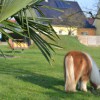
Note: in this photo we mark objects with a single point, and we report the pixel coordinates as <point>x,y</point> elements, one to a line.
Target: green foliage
<point>24,11</point>
<point>11,7</point>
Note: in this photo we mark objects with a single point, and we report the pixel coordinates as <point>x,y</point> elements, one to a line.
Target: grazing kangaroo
<point>79,68</point>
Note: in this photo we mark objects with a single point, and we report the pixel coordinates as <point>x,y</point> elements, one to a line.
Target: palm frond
<point>11,7</point>
<point>24,11</point>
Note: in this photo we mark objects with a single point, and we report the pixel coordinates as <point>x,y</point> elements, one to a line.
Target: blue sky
<point>88,5</point>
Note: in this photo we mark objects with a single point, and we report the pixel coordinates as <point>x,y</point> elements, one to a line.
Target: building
<point>88,29</point>
<point>68,19</point>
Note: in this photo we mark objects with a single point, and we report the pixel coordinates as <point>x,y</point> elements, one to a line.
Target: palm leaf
<point>7,35</point>
<point>11,7</point>
<point>30,25</point>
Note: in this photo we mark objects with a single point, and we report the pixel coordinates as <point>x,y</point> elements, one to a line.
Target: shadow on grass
<point>34,78</point>
<point>6,56</point>
<point>48,82</point>
<point>42,80</point>
<point>13,51</point>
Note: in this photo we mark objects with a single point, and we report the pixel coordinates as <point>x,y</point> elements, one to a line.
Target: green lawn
<point>28,76</point>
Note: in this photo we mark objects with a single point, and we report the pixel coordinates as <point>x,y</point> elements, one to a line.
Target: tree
<point>30,25</point>
<point>71,19</point>
<point>93,11</point>
<point>74,20</point>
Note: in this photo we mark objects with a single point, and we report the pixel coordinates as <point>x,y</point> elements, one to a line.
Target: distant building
<point>68,19</point>
<point>88,29</point>
<point>90,20</point>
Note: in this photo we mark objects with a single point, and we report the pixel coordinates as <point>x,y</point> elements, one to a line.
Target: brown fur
<point>82,67</point>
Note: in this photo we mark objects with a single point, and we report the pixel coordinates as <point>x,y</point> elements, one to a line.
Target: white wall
<point>61,30</point>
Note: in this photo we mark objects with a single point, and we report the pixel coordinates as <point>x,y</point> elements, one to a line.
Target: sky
<point>88,5</point>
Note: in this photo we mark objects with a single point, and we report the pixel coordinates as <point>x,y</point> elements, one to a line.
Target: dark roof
<point>68,7</point>
<point>90,20</point>
<point>88,25</point>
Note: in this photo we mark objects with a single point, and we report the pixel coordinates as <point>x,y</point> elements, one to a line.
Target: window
<point>62,4</point>
<point>84,33</point>
<point>60,31</point>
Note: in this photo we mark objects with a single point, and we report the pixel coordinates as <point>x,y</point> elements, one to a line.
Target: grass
<point>28,76</point>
